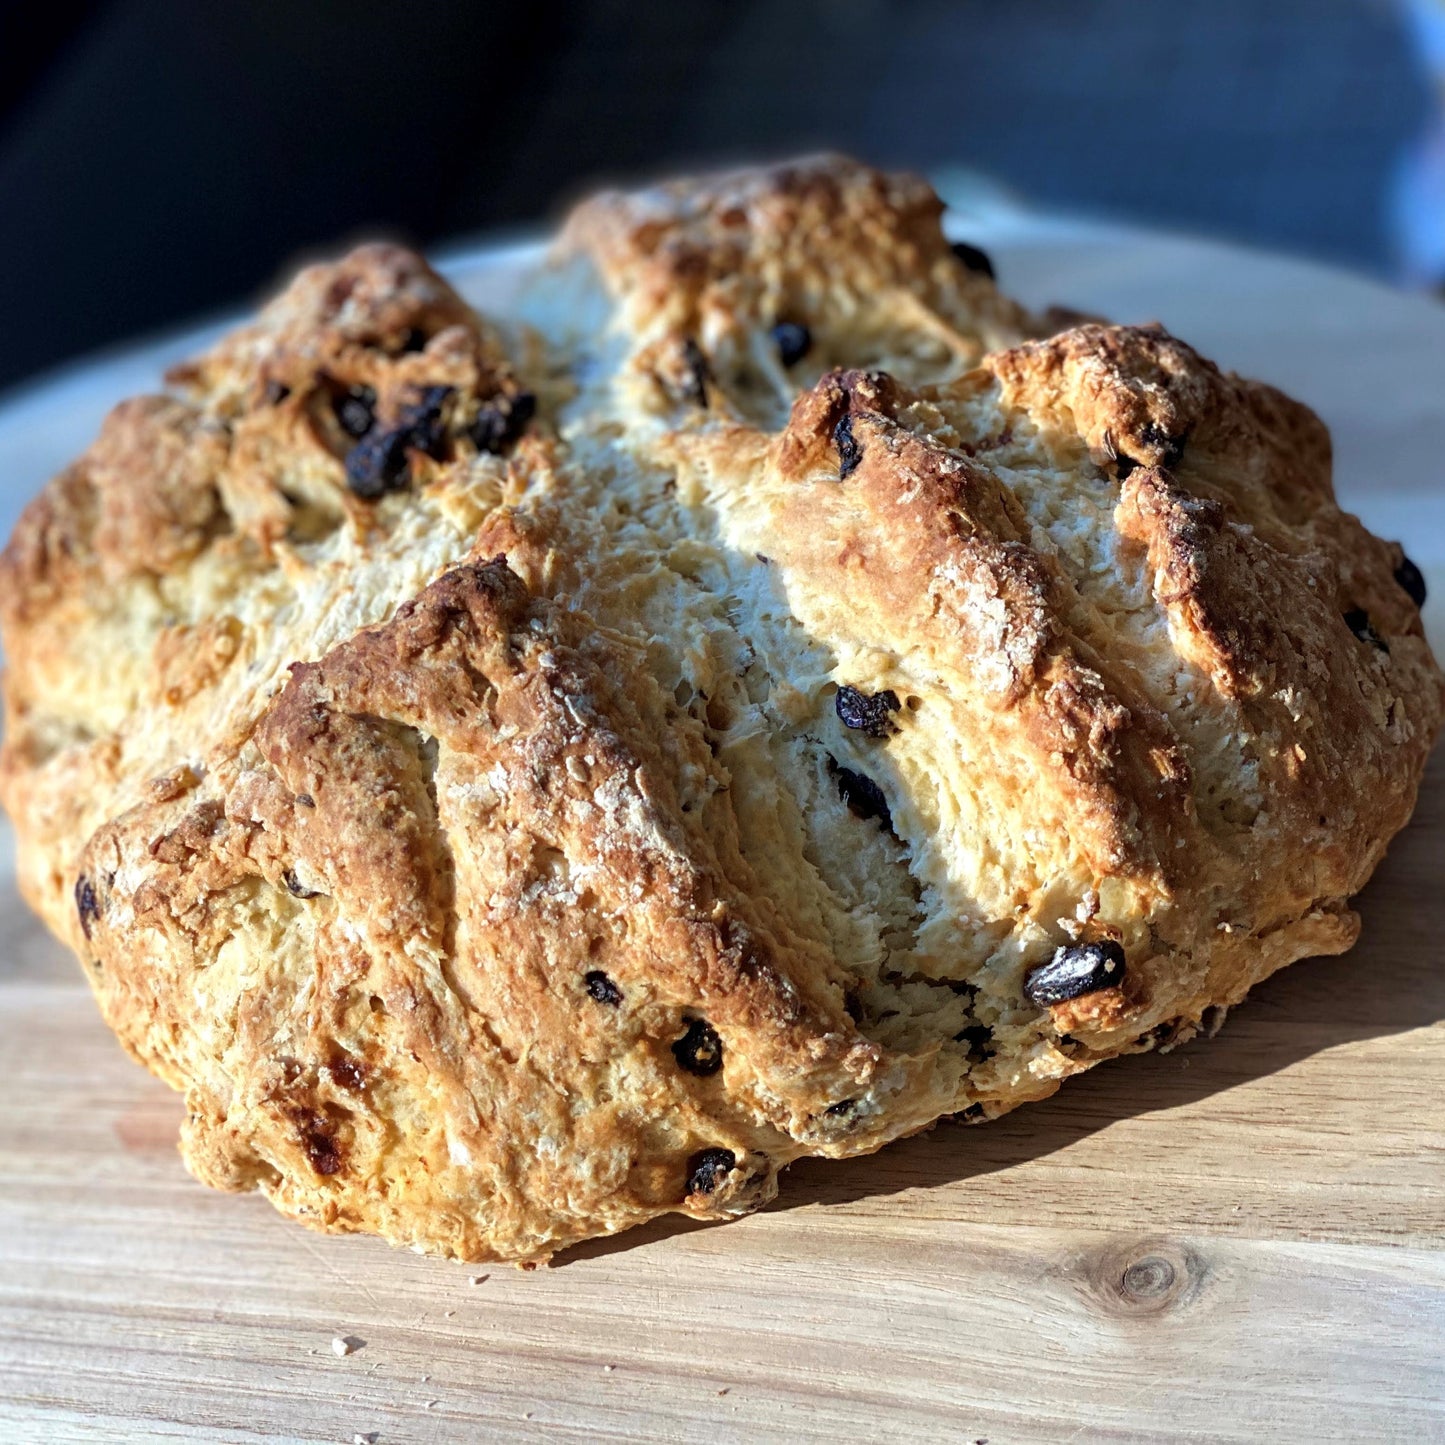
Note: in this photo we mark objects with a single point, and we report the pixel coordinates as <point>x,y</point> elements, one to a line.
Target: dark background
<point>164,157</point>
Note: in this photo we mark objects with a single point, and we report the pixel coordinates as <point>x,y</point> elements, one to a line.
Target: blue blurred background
<point>160,158</point>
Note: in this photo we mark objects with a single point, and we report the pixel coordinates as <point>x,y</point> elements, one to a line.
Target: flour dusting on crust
<point>522,775</point>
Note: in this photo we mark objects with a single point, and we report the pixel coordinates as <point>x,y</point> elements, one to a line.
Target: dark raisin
<point>424,421</point>
<point>973,259</point>
<point>1075,970</point>
<point>356,411</point>
<point>524,408</point>
<point>306,800</point>
<point>377,464</point>
<point>492,431</point>
<point>707,1169</point>
<point>500,421</point>
<point>275,393</point>
<point>1409,576</point>
<point>699,373</point>
<point>603,989</point>
<point>1358,621</point>
<point>864,713</point>
<point>699,1050</point>
<point>843,1106</point>
<point>862,795</point>
<point>87,905</point>
<point>793,340</point>
<point>488,430</point>
<point>296,887</point>
<point>849,452</point>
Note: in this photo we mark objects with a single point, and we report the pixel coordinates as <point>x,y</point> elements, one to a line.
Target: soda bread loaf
<point>763,694</point>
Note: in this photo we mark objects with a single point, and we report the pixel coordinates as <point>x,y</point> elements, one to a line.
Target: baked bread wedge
<point>763,694</point>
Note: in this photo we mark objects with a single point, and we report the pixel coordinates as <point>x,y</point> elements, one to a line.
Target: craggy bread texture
<point>521,777</point>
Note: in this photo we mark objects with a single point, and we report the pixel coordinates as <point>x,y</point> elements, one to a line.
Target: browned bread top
<point>758,696</point>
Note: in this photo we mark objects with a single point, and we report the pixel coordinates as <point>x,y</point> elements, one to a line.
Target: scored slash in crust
<point>765,694</point>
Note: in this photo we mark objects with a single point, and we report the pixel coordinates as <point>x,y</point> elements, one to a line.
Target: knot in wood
<point>1144,1276</point>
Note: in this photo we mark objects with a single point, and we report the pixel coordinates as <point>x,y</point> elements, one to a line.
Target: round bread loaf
<point>766,693</point>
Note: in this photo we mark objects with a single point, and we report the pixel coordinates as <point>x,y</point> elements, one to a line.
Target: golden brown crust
<point>701,271</point>
<point>455,821</point>
<point>516,829</point>
<point>769,242</point>
<point>936,555</point>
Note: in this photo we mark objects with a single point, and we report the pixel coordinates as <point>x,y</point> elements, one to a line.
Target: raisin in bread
<point>763,694</point>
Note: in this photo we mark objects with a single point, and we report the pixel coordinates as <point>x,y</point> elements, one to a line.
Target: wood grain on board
<point>1244,1239</point>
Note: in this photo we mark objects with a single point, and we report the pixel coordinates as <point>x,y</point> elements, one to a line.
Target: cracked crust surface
<point>522,776</point>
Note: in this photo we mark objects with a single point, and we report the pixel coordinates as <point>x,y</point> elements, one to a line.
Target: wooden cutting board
<point>1242,1240</point>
